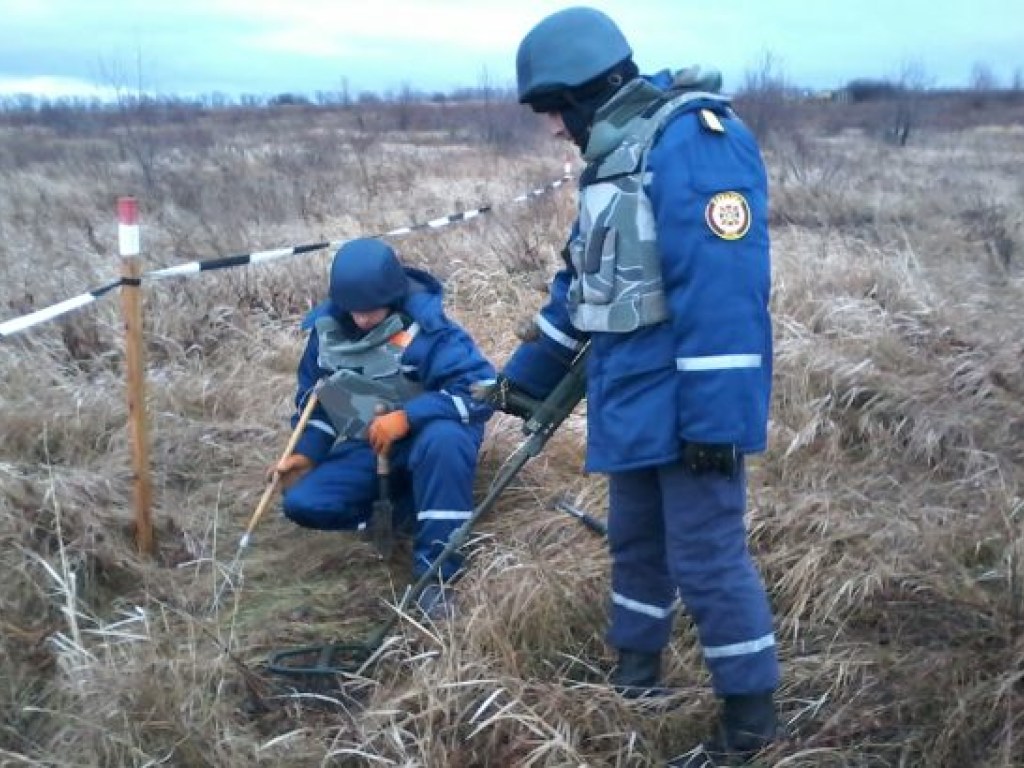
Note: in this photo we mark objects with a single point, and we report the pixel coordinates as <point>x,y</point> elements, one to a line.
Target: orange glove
<point>386,429</point>
<point>290,469</point>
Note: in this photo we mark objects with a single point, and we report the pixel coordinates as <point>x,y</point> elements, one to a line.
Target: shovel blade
<point>382,534</point>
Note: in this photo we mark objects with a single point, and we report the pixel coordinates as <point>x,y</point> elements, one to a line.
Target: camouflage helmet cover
<point>566,50</point>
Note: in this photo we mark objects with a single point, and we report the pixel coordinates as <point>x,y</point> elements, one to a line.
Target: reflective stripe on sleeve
<point>460,406</point>
<point>549,330</point>
<point>717,362</point>
<point>323,426</point>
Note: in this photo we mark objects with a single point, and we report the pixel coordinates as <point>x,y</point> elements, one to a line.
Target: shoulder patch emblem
<point>728,215</point>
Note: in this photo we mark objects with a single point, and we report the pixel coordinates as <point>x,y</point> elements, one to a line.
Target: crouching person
<point>382,339</point>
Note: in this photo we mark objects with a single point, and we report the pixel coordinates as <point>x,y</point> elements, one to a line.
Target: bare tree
<point>912,83</point>
<point>487,95</point>
<point>761,100</point>
<point>135,139</point>
<point>983,79</point>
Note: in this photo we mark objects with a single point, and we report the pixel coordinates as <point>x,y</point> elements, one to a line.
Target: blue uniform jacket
<point>442,357</point>
<point>653,389</point>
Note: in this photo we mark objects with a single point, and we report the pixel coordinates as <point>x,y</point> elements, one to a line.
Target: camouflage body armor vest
<point>366,373</point>
<point>618,284</point>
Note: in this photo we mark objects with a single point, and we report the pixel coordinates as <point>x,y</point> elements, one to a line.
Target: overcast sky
<point>273,46</point>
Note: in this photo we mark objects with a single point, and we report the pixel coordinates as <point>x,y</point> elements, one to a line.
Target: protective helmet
<point>567,49</point>
<point>366,275</point>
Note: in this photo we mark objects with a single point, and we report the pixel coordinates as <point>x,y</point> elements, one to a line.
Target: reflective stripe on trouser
<point>439,461</point>
<point>443,464</point>
<point>671,530</point>
<point>643,594</point>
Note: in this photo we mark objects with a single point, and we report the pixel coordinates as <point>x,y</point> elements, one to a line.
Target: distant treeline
<point>169,103</point>
<point>766,101</point>
<point>488,115</point>
<point>858,90</point>
<point>881,90</point>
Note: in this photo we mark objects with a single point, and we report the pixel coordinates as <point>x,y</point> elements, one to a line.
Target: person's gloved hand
<point>386,429</point>
<point>704,458</point>
<point>290,469</point>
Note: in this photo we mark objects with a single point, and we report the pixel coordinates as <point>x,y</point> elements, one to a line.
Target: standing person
<point>667,272</point>
<point>382,337</point>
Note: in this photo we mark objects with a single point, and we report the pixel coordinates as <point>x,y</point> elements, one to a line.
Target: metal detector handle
<point>540,414</point>
<point>550,412</point>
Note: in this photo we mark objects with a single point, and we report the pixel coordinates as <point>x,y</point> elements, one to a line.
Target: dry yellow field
<point>887,514</point>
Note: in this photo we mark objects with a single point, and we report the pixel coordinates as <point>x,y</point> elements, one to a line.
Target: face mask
<point>581,104</point>
<point>577,122</point>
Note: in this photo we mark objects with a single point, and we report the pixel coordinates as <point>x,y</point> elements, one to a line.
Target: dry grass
<point>886,515</point>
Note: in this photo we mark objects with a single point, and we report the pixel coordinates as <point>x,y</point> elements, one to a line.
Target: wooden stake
<point>131,304</point>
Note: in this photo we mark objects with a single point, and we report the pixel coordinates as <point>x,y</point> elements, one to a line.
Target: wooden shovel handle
<point>289,448</point>
<point>383,464</point>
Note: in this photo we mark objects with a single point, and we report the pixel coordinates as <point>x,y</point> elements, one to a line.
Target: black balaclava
<point>578,105</point>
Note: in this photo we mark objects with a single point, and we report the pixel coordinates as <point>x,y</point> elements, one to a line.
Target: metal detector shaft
<point>455,541</point>
<point>546,418</point>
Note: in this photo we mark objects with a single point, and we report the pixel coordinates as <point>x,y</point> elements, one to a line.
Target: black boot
<point>746,726</point>
<point>637,675</point>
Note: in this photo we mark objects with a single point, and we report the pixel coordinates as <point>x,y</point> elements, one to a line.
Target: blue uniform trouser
<point>437,461</point>
<point>675,533</point>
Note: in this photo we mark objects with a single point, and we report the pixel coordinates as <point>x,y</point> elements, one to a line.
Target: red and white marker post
<point>131,303</point>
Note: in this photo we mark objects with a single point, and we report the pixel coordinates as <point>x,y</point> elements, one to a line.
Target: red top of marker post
<point>127,210</point>
<point>128,226</point>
